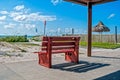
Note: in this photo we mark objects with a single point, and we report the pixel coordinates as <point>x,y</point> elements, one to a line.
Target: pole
<point>89,29</point>
<point>116,34</point>
<point>44,27</point>
<point>44,30</point>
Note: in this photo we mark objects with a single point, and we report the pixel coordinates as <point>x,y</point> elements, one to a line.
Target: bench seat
<point>56,51</point>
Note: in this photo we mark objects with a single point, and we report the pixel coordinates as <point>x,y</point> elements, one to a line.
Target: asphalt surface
<point>103,65</point>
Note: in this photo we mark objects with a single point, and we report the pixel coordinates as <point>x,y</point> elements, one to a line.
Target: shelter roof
<point>100,27</point>
<point>93,2</point>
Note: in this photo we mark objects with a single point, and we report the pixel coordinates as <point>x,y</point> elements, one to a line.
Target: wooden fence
<point>96,38</point>
<point>101,38</point>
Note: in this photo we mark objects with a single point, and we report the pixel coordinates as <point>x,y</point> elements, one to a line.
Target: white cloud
<point>3,12</point>
<point>111,16</point>
<point>33,16</point>
<point>2,18</point>
<point>26,10</point>
<point>23,15</point>
<point>19,7</point>
<point>14,14</point>
<point>38,17</point>
<point>20,16</point>
<point>29,26</point>
<point>47,18</point>
<point>55,2</point>
<point>17,16</point>
<point>10,25</point>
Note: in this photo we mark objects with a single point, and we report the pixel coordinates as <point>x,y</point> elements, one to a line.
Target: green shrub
<point>14,39</point>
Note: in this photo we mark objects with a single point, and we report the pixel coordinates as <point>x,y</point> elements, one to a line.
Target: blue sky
<point>20,17</point>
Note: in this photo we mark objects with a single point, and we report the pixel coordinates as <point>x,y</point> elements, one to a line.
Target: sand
<point>14,53</point>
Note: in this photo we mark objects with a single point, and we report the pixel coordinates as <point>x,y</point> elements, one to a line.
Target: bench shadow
<point>105,57</point>
<point>111,76</point>
<point>83,66</point>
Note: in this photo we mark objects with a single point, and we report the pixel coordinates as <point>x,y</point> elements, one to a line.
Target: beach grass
<point>25,43</point>
<point>14,39</point>
<point>102,45</point>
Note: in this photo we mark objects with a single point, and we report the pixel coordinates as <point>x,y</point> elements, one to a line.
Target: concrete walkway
<point>103,65</point>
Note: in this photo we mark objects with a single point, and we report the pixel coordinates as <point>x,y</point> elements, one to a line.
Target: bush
<point>14,39</point>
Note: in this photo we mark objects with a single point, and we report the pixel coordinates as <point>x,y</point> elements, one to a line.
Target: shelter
<point>100,27</point>
<point>89,3</point>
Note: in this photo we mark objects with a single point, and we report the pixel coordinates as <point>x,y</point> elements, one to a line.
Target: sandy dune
<point>17,52</point>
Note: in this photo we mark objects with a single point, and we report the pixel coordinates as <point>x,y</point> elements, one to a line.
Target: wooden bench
<point>55,45</point>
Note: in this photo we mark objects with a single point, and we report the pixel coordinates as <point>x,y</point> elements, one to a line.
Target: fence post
<point>116,34</point>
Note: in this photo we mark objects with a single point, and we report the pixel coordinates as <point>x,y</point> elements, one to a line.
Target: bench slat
<point>59,47</point>
<point>63,38</point>
<point>57,51</point>
<point>62,43</point>
<point>60,38</point>
<point>62,50</point>
<point>58,43</point>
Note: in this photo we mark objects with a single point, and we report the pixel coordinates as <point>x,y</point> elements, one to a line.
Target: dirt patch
<point>16,52</point>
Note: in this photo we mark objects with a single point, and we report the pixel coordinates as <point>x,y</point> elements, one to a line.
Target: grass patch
<point>24,43</point>
<point>14,39</point>
<point>36,38</point>
<point>102,45</point>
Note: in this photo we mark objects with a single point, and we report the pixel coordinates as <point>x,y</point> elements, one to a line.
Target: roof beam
<point>102,1</point>
<point>93,2</point>
<point>77,2</point>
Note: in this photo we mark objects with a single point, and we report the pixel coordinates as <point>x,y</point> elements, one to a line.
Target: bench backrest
<point>59,43</point>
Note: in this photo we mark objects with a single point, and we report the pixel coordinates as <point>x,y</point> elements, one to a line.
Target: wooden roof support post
<point>89,3</point>
<point>89,28</point>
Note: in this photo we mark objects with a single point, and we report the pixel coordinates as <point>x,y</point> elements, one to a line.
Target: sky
<point>27,17</point>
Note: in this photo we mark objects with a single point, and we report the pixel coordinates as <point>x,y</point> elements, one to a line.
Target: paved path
<point>103,65</point>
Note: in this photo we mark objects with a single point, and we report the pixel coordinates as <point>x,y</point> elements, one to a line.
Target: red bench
<point>55,45</point>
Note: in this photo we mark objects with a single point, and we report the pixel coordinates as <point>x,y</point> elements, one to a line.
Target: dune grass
<point>25,43</point>
<point>14,39</point>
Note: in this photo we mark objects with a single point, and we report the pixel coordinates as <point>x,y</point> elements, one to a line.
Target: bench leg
<point>71,57</point>
<point>45,60</point>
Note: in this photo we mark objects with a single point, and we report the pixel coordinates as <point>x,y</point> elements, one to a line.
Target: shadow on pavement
<point>83,66</point>
<point>111,76</point>
<point>105,57</point>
